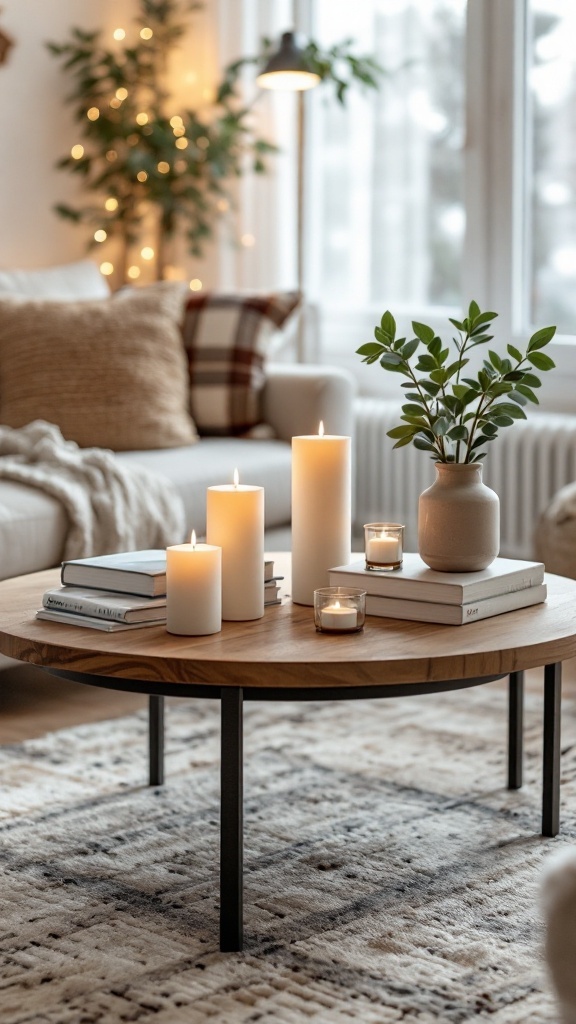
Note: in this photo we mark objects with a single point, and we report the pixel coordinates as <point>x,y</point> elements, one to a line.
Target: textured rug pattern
<point>389,874</point>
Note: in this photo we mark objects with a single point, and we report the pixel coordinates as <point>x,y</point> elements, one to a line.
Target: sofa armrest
<point>297,397</point>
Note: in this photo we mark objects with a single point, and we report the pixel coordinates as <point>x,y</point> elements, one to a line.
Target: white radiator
<point>526,465</point>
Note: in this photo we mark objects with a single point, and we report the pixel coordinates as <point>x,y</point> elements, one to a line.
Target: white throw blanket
<point>110,506</point>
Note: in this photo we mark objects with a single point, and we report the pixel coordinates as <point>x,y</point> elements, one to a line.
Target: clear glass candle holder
<point>339,609</point>
<point>383,546</point>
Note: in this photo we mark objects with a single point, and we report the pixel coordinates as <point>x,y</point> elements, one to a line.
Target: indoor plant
<point>456,418</point>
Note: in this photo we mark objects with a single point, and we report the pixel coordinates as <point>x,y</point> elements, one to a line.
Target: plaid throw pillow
<point>225,337</point>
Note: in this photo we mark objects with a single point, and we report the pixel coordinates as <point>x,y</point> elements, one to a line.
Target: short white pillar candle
<point>333,616</point>
<point>235,522</point>
<point>193,589</point>
<point>321,510</point>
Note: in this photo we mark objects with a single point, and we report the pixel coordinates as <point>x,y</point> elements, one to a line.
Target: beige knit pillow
<point>111,373</point>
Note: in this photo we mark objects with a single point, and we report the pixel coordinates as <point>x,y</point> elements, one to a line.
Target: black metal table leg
<point>156,740</point>
<point>515,729</point>
<point>551,755</point>
<point>231,821</point>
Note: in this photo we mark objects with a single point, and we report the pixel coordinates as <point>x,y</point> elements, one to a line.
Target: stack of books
<point>120,591</point>
<point>454,598</point>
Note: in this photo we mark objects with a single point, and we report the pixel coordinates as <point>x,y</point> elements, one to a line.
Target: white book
<point>416,582</point>
<point>103,604</point>
<point>91,622</point>
<point>454,614</point>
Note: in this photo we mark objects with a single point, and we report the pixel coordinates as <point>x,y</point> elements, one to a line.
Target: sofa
<point>266,404</point>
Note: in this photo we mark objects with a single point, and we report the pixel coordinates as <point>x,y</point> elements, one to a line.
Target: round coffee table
<point>281,657</point>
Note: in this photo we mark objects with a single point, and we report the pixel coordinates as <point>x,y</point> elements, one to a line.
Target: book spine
<point>82,606</point>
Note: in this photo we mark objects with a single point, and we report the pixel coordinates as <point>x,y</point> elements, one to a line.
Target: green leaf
<point>515,353</point>
<point>541,338</point>
<point>426,363</point>
<point>371,348</point>
<point>495,360</point>
<point>408,350</point>
<point>388,324</point>
<point>412,410</point>
<point>540,360</point>
<point>423,332</point>
<point>454,367</point>
<point>458,433</point>
<point>528,393</point>
<point>381,337</point>
<point>441,426</point>
<point>473,310</point>
<point>438,376</point>
<point>460,390</point>
<point>403,441</point>
<point>532,380</point>
<point>423,445</point>
<point>484,318</point>
<point>518,397</point>
<point>503,421</point>
<point>514,375</point>
<point>429,387</point>
<point>390,359</point>
<point>402,431</point>
<point>457,324</point>
<point>435,347</point>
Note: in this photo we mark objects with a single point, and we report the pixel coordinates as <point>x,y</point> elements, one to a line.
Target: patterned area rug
<point>389,874</point>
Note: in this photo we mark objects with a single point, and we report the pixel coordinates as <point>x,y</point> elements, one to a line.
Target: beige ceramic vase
<point>458,520</point>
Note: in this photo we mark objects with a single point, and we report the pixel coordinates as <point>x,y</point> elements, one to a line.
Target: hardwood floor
<point>32,702</point>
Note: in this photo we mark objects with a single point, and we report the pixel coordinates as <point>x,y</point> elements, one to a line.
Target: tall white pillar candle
<point>321,511</point>
<point>193,589</point>
<point>235,522</point>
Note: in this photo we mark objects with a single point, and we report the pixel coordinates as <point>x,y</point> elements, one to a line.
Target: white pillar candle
<point>235,522</point>
<point>333,616</point>
<point>383,550</point>
<point>321,510</point>
<point>193,589</point>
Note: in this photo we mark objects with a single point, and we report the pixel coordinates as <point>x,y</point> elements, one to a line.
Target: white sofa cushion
<point>71,281</point>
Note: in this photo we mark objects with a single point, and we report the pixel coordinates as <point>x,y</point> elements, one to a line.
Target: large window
<point>456,181</point>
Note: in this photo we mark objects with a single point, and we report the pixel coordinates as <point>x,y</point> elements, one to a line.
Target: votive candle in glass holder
<point>339,609</point>
<point>384,546</point>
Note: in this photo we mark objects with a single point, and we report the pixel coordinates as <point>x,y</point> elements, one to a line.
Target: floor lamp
<point>288,69</point>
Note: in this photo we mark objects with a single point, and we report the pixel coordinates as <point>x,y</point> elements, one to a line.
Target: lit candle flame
<point>321,429</point>
<point>236,478</point>
<point>336,604</point>
<point>193,538</point>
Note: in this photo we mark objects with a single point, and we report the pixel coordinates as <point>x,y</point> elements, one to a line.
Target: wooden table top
<point>282,649</point>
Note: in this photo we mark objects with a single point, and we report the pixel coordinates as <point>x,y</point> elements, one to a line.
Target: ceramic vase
<point>458,520</point>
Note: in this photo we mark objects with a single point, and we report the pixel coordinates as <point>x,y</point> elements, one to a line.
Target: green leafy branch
<point>448,415</point>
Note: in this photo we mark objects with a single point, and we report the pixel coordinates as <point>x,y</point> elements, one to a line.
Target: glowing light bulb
<point>121,93</point>
<point>142,117</point>
<point>195,284</point>
<point>111,203</point>
<point>146,33</point>
<point>119,33</point>
<point>133,272</point>
<point>321,429</point>
<point>93,114</point>
<point>107,268</point>
<point>100,235</point>
<point>236,478</point>
<point>181,143</point>
<point>163,167</point>
<point>77,152</point>
<point>176,121</point>
<point>142,176</point>
<point>147,253</point>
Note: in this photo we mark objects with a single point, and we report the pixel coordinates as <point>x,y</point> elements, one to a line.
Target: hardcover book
<point>104,604</point>
<point>91,622</point>
<point>454,614</point>
<point>129,572</point>
<point>416,582</point>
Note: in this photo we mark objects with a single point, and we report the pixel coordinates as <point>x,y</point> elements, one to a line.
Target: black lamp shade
<point>288,68</point>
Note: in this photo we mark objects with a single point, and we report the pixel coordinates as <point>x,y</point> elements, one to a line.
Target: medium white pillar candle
<point>193,589</point>
<point>321,510</point>
<point>235,522</point>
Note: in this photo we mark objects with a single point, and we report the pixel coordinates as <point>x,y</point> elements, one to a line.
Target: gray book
<point>454,614</point>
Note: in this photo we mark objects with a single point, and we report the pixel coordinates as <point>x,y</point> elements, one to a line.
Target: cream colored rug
<point>389,874</point>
